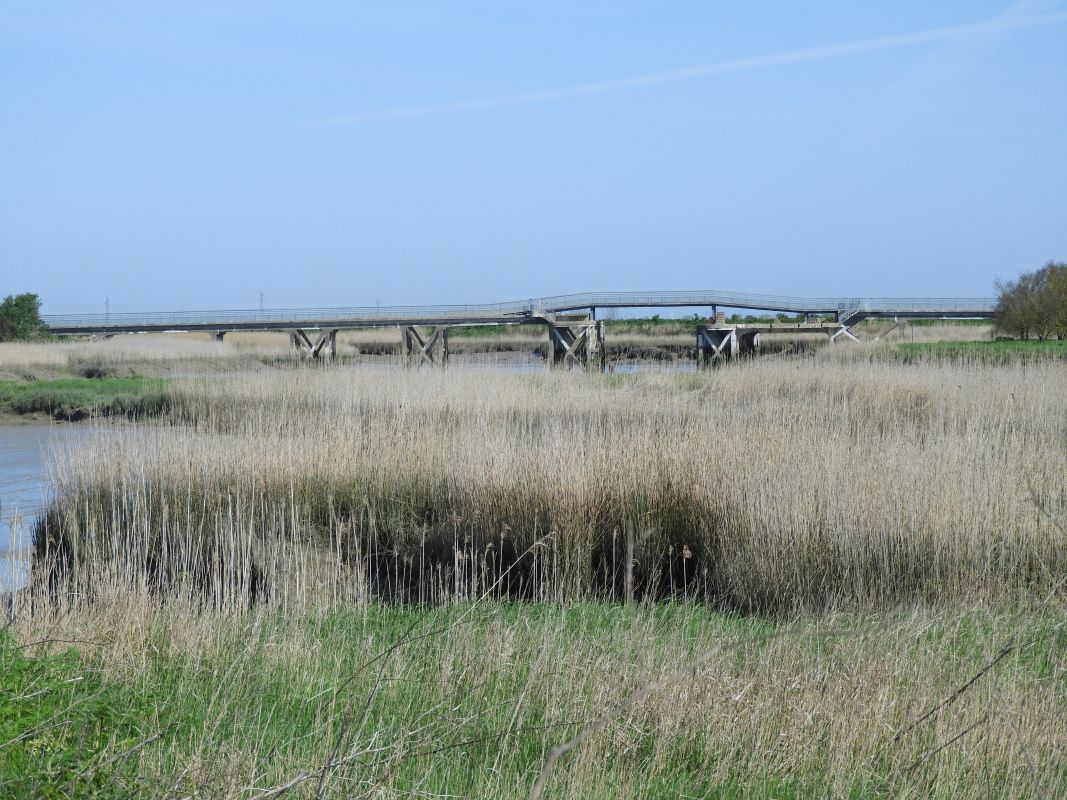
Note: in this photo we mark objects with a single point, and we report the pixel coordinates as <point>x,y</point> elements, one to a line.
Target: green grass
<point>466,700</point>
<point>59,725</point>
<point>78,398</point>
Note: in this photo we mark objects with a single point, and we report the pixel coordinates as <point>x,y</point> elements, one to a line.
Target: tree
<point>20,318</point>
<point>1035,304</point>
<point>1058,290</point>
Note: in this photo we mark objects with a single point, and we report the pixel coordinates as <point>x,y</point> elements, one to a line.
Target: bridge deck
<point>541,310</point>
<point>285,323</point>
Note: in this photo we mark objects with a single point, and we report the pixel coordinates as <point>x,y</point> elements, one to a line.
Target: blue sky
<point>188,155</point>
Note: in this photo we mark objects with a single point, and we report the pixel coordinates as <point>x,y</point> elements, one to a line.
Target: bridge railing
<point>948,304</point>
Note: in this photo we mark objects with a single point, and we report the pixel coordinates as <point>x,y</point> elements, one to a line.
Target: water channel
<point>24,491</point>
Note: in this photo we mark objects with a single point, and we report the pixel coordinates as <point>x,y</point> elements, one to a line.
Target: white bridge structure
<point>576,335</point>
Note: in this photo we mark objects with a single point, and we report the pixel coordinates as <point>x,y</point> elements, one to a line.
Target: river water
<point>24,491</point>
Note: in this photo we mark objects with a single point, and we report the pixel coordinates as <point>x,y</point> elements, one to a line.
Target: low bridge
<point>575,334</point>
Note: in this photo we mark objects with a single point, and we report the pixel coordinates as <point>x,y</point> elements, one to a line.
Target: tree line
<point>1034,305</point>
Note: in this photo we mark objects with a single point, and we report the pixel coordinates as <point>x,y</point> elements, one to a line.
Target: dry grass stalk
<point>775,485</point>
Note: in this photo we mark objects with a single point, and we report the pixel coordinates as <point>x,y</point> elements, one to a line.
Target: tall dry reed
<point>773,484</point>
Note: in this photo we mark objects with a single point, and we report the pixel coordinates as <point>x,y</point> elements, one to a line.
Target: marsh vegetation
<point>833,575</point>
<point>775,487</point>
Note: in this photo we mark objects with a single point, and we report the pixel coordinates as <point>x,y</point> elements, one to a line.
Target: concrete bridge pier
<point>327,341</point>
<point>718,345</point>
<point>748,343</point>
<point>425,348</point>
<point>577,344</point>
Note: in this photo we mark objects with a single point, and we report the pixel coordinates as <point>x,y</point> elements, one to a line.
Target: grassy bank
<point>469,700</point>
<point>80,398</point>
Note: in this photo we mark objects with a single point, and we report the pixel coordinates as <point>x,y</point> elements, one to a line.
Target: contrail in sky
<point>997,25</point>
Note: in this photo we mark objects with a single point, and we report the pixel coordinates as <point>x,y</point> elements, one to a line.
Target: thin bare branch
<point>952,698</point>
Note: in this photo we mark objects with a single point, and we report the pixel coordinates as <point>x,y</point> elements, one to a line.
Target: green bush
<point>20,318</point>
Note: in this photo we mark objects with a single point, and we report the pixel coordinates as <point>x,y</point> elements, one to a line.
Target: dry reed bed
<point>142,347</point>
<point>237,348</point>
<point>773,484</point>
<point>182,347</point>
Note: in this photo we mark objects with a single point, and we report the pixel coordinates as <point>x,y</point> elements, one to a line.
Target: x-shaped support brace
<point>711,349</point>
<point>897,324</point>
<point>843,331</point>
<point>569,346</point>
<point>314,349</point>
<point>421,349</point>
